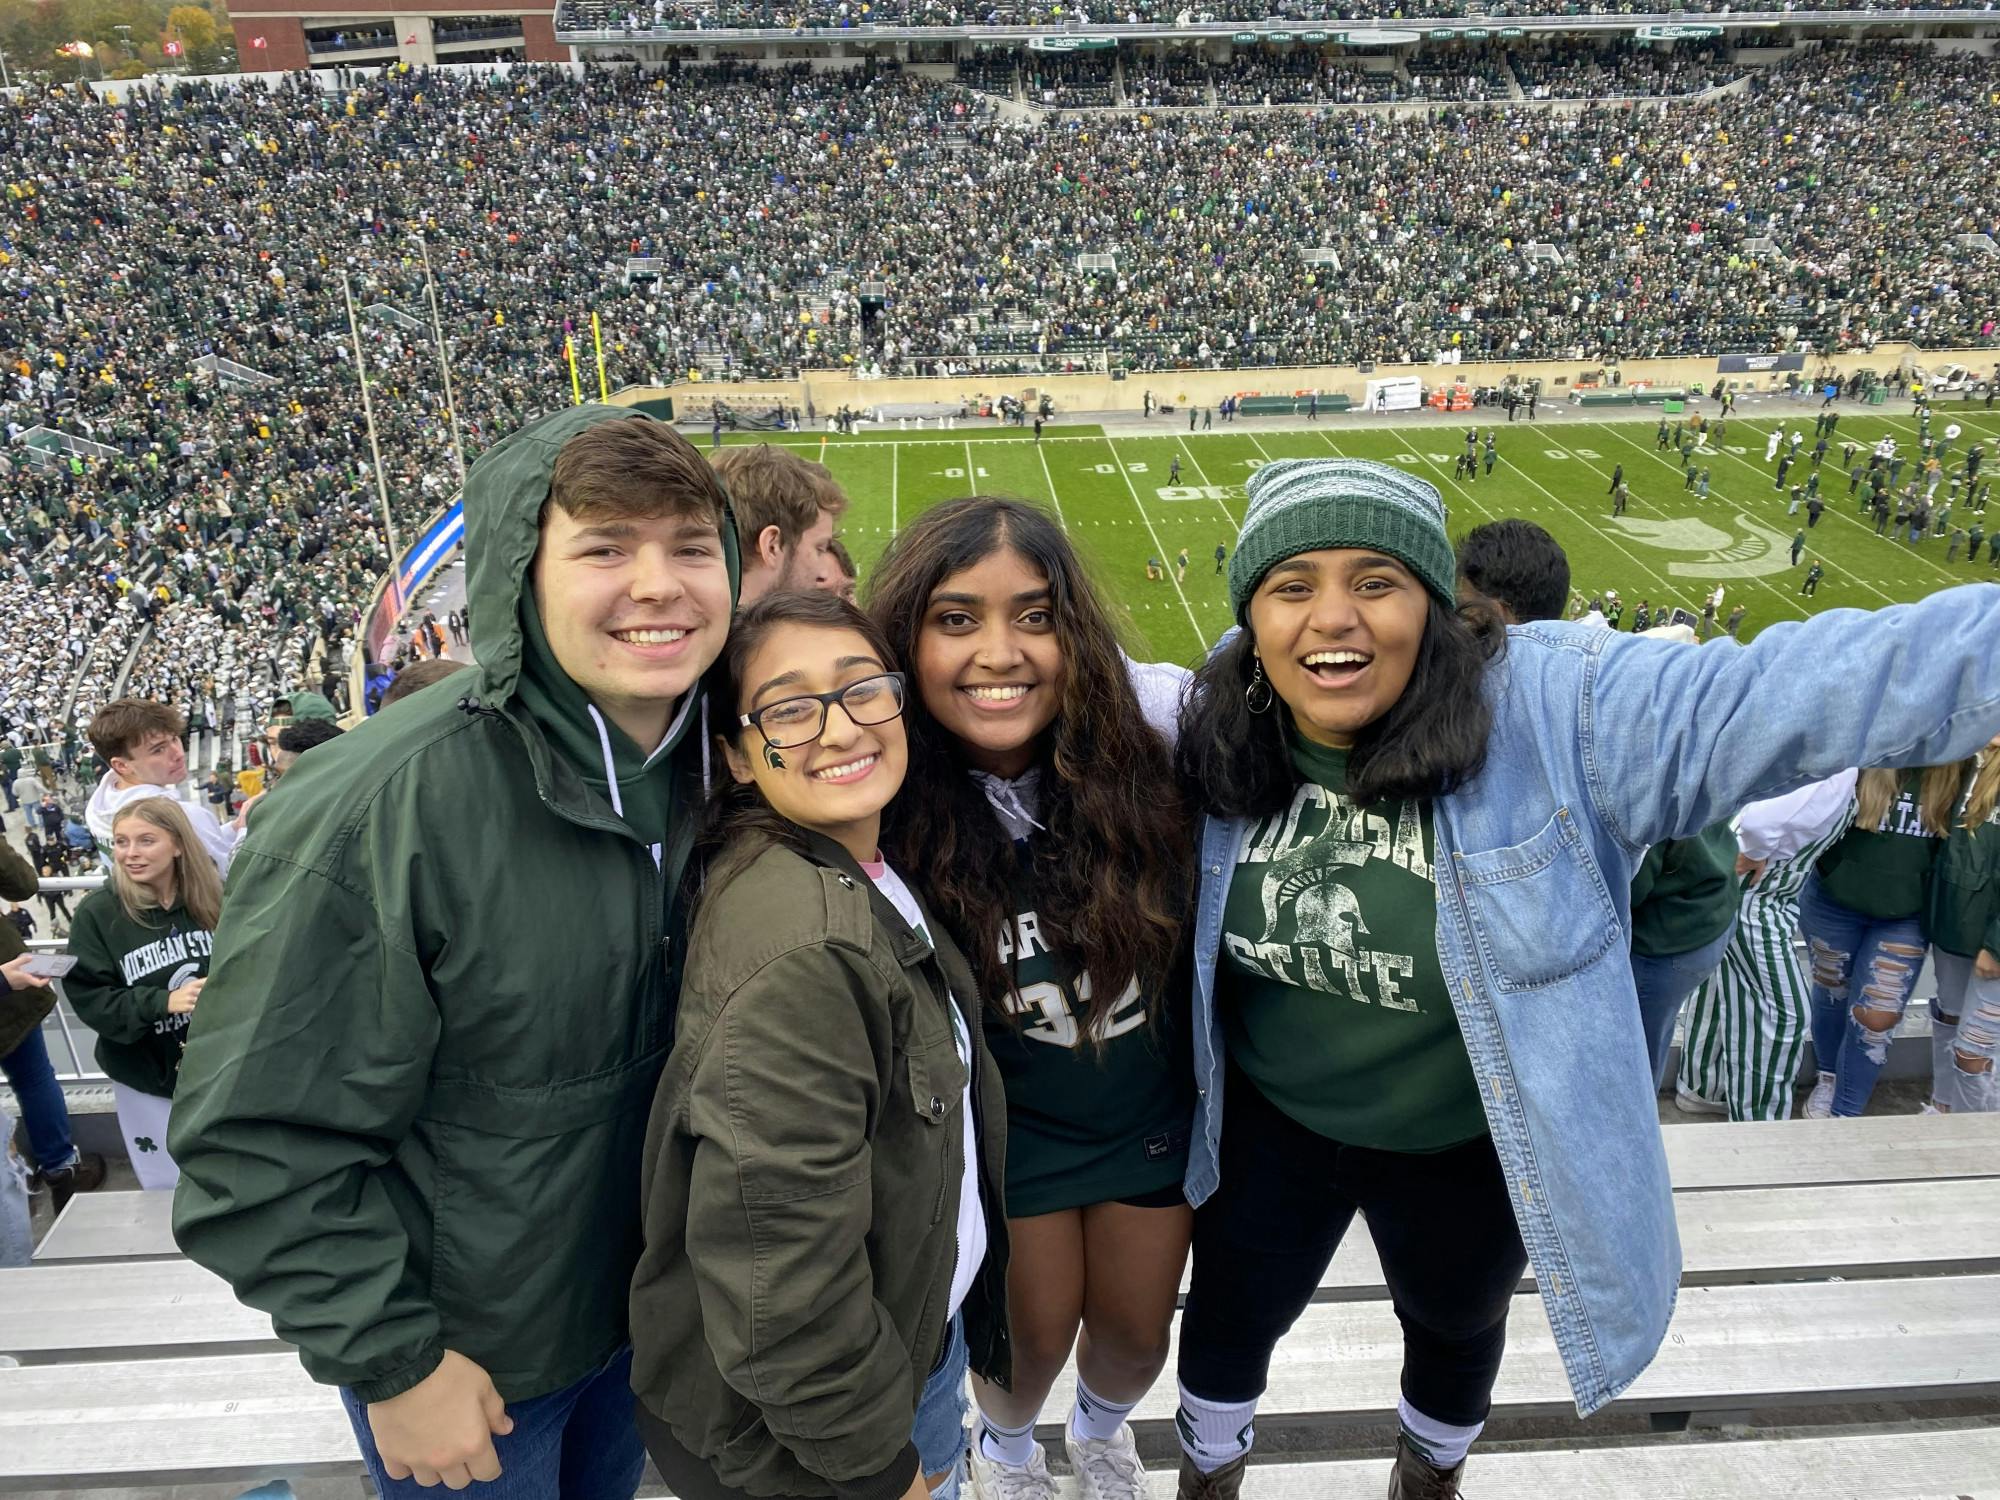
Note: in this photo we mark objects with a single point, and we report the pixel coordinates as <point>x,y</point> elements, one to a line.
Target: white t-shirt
<point>971,1215</point>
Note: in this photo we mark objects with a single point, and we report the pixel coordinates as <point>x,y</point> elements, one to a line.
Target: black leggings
<point>1443,1225</point>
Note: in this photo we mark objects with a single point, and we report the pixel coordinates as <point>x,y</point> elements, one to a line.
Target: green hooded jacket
<point>1962,900</point>
<point>309,706</point>
<point>411,1112</point>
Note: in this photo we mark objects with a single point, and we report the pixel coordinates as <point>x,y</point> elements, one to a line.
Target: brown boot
<point>84,1175</point>
<point>1415,1479</point>
<point>1224,1484</point>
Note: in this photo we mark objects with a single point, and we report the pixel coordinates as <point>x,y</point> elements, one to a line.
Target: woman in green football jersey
<point>1041,814</point>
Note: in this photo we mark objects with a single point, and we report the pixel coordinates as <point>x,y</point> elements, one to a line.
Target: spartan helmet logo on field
<point>1322,909</point>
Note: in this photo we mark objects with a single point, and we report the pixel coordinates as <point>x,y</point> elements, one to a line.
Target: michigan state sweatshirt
<point>124,972</point>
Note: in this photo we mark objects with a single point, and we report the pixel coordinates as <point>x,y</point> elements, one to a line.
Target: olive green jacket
<point>413,1101</point>
<point>21,1011</point>
<point>802,1181</point>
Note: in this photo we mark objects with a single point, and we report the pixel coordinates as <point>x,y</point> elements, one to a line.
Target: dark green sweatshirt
<point>1883,872</point>
<point>119,987</point>
<point>1962,904</point>
<point>1685,894</point>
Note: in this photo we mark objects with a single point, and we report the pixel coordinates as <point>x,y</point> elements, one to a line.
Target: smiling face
<point>145,853</point>
<point>836,784</point>
<point>989,663</point>
<point>635,610</point>
<point>1338,632</point>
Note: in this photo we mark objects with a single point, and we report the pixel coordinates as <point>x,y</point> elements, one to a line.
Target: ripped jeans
<point>1965,1028</point>
<point>1862,970</point>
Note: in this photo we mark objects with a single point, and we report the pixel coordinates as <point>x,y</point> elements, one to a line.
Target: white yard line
<point>1460,485</point>
<point>1838,511</point>
<point>1790,602</point>
<point>1188,449</point>
<point>1166,560</point>
<point>1050,479</point>
<point>1562,504</point>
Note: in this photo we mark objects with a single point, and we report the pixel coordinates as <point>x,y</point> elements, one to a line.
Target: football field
<point>1120,497</point>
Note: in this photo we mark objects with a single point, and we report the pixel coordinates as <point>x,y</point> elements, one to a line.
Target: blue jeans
<point>578,1443</point>
<point>1857,965</point>
<point>1965,1027</point>
<point>1665,985</point>
<point>42,1108</point>
<point>17,1236</point>
<point>939,1429</point>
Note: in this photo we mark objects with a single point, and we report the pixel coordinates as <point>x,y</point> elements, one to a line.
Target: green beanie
<point>1308,504</point>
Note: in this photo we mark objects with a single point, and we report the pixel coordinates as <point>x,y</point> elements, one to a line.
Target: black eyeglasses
<point>791,722</point>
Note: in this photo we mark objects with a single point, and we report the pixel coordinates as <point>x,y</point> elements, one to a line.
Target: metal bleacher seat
<point>1828,1263</point>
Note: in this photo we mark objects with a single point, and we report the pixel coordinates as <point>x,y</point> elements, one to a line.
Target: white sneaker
<point>1930,1109</point>
<point>998,1481</point>
<point>1819,1103</point>
<point>1107,1468</point>
<point>1690,1103</point>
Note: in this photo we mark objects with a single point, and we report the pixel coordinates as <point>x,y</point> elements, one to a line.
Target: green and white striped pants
<point>1747,1025</point>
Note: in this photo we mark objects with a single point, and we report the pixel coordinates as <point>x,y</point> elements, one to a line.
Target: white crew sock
<point>1012,1446</point>
<point>1214,1433</point>
<point>1093,1419</point>
<point>1438,1444</point>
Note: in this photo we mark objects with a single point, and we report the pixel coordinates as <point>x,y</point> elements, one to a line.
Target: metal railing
<point>82,1068</point>
<point>476,34</point>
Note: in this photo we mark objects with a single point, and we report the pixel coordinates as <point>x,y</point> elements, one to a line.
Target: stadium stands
<point>583,17</point>
<point>1586,70</point>
<point>1829,1264</point>
<point>224,551</point>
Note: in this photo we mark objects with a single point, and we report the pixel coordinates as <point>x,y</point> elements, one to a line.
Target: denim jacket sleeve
<point>1676,739</point>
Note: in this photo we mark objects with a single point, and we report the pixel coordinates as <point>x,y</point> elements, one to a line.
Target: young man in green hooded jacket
<point>410,1121</point>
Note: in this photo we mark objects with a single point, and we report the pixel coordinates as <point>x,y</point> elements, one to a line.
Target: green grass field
<point>1114,496</point>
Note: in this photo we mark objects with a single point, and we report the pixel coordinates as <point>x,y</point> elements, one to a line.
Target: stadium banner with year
<point>1752,364</point>
<point>1398,393</point>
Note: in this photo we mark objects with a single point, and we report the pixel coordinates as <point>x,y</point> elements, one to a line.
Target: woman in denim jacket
<point>1411,970</point>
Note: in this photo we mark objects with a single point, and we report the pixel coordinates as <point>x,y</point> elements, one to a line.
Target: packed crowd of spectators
<point>1080,81</point>
<point>1170,80</point>
<point>1459,75</point>
<point>1579,69</point>
<point>990,72</point>
<point>641,16</point>
<point>1304,76</point>
<point>232,530</point>
<point>240,522</point>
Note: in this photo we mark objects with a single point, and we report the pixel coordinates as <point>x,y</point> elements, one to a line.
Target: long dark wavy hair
<point>739,823</point>
<point>1431,741</point>
<point>1113,872</point>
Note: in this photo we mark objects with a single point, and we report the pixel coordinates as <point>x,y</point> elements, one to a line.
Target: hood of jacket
<point>310,706</point>
<point>504,495</point>
<point>519,675</point>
